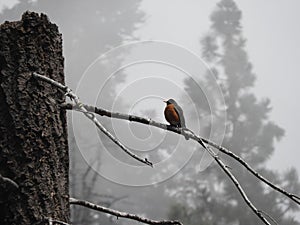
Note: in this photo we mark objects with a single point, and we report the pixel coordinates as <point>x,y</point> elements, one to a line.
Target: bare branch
<point>293,197</point>
<point>200,140</point>
<point>91,116</point>
<point>103,112</point>
<point>89,110</point>
<point>8,180</point>
<point>237,184</point>
<point>190,135</point>
<point>121,214</point>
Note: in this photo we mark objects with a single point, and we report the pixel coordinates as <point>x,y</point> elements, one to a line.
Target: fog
<point>128,57</point>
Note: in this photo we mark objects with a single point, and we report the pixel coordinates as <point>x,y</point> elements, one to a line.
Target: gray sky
<point>7,3</point>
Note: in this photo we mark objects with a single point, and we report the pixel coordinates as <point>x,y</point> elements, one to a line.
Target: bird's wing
<point>179,111</point>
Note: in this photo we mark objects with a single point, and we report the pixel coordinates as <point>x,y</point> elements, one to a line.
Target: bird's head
<point>170,101</point>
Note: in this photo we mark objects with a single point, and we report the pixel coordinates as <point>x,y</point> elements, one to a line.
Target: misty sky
<point>273,46</point>
<point>273,34</point>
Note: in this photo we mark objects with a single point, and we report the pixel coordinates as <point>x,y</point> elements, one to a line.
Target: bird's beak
<point>165,101</point>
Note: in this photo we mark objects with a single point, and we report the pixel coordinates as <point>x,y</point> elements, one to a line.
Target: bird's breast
<point>171,115</point>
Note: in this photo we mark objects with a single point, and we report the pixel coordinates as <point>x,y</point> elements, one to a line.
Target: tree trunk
<point>33,129</point>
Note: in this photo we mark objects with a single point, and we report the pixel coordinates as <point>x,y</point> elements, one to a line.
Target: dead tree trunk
<point>33,131</point>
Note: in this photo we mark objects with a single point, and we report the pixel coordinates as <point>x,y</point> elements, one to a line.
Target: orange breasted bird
<point>174,114</point>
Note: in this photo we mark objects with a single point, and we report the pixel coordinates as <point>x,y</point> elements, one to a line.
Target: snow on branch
<point>91,116</point>
<point>121,214</point>
<point>293,197</point>
<point>201,141</point>
<point>138,119</point>
<point>90,110</point>
<point>260,213</point>
<point>177,130</point>
<point>238,186</point>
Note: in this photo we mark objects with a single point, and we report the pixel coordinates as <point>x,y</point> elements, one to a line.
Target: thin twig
<point>51,221</point>
<point>103,112</point>
<point>236,183</point>
<point>8,180</point>
<point>91,116</point>
<point>121,214</point>
<point>271,218</point>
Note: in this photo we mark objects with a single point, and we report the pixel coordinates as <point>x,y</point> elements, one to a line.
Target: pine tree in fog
<point>210,197</point>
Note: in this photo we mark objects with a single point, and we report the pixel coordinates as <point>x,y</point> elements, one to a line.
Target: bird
<point>174,114</point>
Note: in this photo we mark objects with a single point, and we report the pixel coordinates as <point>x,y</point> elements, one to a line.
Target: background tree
<point>211,198</point>
<point>89,29</point>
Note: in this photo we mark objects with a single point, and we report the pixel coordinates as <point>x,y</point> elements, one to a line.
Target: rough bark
<point>33,132</point>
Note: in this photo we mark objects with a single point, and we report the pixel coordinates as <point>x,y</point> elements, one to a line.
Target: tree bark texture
<point>33,129</point>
